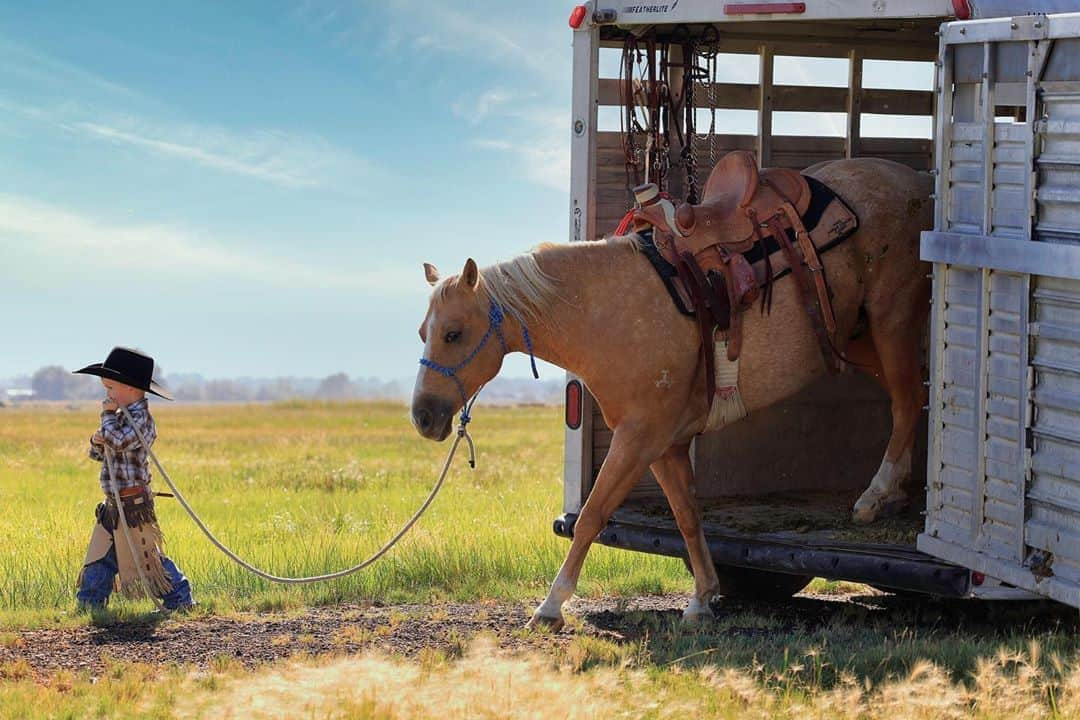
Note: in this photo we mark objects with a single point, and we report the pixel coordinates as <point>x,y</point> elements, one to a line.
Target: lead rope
<point>461,433</point>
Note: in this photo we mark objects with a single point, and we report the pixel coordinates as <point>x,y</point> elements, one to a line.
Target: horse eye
<point>452,336</point>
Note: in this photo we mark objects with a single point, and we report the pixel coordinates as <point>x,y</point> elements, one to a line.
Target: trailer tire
<point>741,583</point>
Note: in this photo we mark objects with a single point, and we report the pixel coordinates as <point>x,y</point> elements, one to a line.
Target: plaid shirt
<point>129,456</point>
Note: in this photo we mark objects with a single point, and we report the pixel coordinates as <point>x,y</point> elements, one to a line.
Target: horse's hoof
<point>697,613</point>
<point>697,619</point>
<point>543,623</point>
<point>877,507</point>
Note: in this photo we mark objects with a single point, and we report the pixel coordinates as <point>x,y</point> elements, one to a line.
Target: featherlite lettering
<point>647,8</point>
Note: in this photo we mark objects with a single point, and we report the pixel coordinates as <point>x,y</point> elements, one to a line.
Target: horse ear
<point>431,273</point>
<point>469,274</point>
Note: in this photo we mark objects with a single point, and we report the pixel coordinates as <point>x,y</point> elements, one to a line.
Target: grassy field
<point>306,488</point>
<point>303,489</point>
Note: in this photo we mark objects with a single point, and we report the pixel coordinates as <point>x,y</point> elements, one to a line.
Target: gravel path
<point>408,629</point>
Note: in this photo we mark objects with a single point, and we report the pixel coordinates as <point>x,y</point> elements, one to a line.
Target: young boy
<point>127,376</point>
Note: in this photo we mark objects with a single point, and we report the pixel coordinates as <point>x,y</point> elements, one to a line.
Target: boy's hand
<point>97,439</point>
<point>109,405</point>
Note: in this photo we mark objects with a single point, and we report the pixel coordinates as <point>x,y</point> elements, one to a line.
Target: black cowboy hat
<point>130,367</point>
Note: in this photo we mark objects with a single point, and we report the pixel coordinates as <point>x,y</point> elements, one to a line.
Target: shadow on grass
<point>816,642</point>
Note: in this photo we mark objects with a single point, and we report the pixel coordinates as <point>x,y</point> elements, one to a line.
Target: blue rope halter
<point>495,321</point>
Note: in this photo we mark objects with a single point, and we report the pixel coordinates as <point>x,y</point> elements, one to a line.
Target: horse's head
<point>463,349</point>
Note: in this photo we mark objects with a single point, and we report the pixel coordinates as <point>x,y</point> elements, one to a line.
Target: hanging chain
<point>651,112</point>
<point>710,60</point>
<point>692,73</point>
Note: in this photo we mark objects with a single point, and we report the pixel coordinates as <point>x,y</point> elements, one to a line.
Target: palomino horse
<point>599,310</point>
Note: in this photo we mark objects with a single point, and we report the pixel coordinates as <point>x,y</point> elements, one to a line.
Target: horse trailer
<point>985,96</point>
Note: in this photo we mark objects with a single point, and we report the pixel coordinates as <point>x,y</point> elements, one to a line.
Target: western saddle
<point>742,208</point>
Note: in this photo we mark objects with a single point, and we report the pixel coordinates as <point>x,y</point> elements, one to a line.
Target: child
<point>127,377</point>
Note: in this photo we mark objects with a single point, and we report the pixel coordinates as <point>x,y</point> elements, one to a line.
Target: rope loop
<point>462,433</point>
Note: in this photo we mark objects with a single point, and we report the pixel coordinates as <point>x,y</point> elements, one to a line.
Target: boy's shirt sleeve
<point>120,436</point>
<point>95,452</point>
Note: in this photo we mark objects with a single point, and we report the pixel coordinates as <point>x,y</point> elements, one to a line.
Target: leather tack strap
<point>806,291</point>
<point>692,278</point>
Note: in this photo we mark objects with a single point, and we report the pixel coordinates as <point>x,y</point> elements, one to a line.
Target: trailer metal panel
<point>577,471</point>
<point>649,12</point>
<point>1004,492</point>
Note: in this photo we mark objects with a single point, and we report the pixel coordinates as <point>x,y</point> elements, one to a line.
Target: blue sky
<point>252,188</point>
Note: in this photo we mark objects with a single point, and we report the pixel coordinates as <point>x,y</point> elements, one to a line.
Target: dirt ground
<point>409,629</point>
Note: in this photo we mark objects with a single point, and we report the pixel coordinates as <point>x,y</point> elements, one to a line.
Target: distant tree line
<point>59,384</point>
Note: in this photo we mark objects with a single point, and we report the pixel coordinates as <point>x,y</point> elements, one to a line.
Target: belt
<point>132,491</point>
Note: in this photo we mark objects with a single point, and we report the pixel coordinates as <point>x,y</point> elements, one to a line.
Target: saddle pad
<point>817,220</point>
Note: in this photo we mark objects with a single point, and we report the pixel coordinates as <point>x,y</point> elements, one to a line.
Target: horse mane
<point>523,288</point>
<point>520,286</point>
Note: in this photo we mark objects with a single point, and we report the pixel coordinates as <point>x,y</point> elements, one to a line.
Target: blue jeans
<point>98,577</point>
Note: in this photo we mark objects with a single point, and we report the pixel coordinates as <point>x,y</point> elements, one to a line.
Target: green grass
<point>304,489</point>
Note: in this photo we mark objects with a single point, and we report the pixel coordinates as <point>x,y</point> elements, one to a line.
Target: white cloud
<point>546,164</point>
<point>435,26</point>
<point>539,138</point>
<point>264,156</point>
<point>498,33</point>
<point>285,159</point>
<point>495,100</point>
<point>48,72</point>
<point>55,234</point>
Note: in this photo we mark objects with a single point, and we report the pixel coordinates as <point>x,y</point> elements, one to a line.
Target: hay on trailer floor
<point>818,516</point>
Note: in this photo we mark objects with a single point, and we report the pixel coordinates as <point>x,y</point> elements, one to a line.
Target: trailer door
<point>1003,492</point>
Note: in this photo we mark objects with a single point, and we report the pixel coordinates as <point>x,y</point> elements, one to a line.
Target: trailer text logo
<point>636,9</point>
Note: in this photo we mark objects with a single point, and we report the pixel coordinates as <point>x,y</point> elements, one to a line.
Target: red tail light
<point>573,404</point>
<point>577,16</point>
<point>962,8</point>
<point>977,579</point>
<point>795,8</point>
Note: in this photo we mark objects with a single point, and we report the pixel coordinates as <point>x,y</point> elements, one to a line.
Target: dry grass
<point>486,683</point>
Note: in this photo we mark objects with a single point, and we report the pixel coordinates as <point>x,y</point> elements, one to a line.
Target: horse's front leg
<point>623,466</point>
<point>676,477</point>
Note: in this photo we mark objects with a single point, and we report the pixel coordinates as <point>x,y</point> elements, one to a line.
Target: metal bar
<point>1072,369</point>
<point>577,445</point>
<point>982,334</point>
<point>1055,501</point>
<point>1001,253</point>
<point>807,98</point>
<point>1059,434</point>
<point>889,565</point>
<point>1030,146</point>
<point>1012,573</point>
<point>943,91</point>
<point>989,141</point>
<point>1024,369</point>
<point>995,30</point>
<point>710,11</point>
<point>854,103</point>
<point>934,464</point>
<point>764,119</point>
